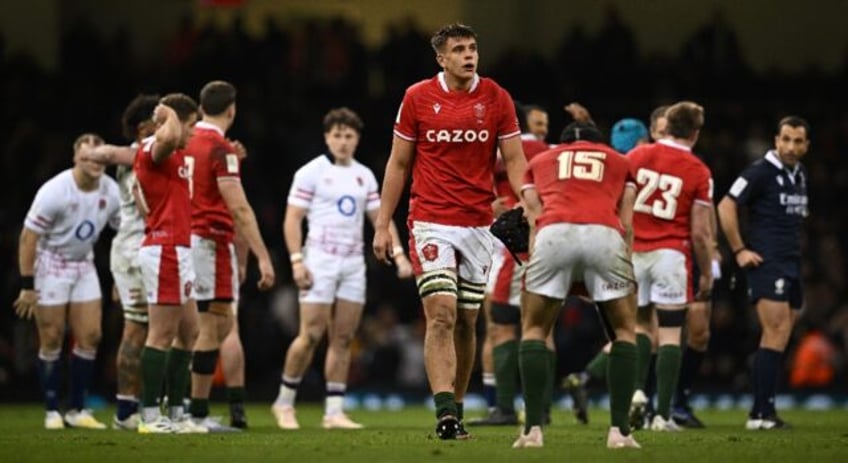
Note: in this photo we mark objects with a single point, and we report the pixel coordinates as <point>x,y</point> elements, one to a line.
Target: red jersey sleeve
<point>704,188</point>
<point>225,162</point>
<point>406,124</point>
<point>508,123</point>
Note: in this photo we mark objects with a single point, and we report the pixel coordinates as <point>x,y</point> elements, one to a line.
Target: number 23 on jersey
<point>669,186</point>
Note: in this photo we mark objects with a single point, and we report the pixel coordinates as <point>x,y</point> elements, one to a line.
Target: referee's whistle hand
<point>747,258</point>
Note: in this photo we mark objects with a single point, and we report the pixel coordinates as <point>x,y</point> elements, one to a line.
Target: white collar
<point>475,81</point>
<point>209,126</point>
<point>771,156</point>
<point>674,144</point>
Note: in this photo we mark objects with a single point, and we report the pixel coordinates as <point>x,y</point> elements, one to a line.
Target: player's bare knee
<point>50,342</point>
<point>89,340</point>
<point>311,337</point>
<point>341,340</point>
<point>698,339</point>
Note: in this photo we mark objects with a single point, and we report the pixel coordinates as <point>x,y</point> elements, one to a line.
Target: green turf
<point>406,436</point>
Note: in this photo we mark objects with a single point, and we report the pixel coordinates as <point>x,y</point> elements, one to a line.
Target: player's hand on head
<point>25,303</point>
<point>161,112</point>
<point>382,245</point>
<point>267,276</point>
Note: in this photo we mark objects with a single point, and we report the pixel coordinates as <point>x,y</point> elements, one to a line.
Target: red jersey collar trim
<point>674,144</point>
<point>475,82</point>
<point>208,126</point>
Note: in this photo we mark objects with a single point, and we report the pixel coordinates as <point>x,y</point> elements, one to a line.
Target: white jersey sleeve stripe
<point>509,135</point>
<point>404,136</point>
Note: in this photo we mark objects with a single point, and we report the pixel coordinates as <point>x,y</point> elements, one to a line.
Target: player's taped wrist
<point>397,251</point>
<point>27,282</point>
<point>296,257</point>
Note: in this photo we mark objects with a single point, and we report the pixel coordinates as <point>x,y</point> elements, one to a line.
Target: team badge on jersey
<point>102,203</point>
<point>430,252</point>
<point>360,181</point>
<point>780,180</point>
<point>437,107</point>
<point>479,111</point>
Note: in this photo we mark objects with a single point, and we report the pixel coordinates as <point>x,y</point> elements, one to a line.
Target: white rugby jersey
<point>132,223</point>
<point>336,198</point>
<point>70,220</point>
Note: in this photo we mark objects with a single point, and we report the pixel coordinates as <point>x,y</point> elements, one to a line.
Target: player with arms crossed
<point>333,192</point>
<point>671,216</point>
<point>59,283</point>
<point>219,210</point>
<point>446,135</point>
<point>774,190</point>
<point>164,193</point>
<point>580,214</point>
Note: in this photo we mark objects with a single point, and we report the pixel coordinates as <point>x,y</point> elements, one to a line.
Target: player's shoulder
<point>487,84</point>
<point>421,87</point>
<point>58,184</point>
<point>315,166</point>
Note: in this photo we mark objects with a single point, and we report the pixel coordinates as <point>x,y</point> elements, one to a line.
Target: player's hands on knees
<point>267,276</point>
<point>747,258</point>
<point>25,303</point>
<point>382,245</point>
<point>302,276</point>
<point>404,267</point>
<point>705,288</point>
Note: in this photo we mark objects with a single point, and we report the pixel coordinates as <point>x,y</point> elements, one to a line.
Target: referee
<point>774,190</point>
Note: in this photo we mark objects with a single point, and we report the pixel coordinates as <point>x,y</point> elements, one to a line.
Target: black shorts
<point>777,282</point>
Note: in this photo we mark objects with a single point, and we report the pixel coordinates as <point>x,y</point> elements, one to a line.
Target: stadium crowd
<point>290,76</point>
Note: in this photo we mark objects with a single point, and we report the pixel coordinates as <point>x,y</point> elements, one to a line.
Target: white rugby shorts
<point>465,250</point>
<point>334,277</point>
<point>168,274</point>
<point>566,252</point>
<point>60,282</point>
<point>663,277</point>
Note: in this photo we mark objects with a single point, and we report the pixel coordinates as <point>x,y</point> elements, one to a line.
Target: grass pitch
<point>407,436</point>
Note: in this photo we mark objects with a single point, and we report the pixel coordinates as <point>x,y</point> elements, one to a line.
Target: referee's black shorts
<point>776,281</point>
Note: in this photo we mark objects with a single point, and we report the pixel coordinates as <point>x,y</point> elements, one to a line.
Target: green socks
<point>445,404</point>
<point>505,357</point>
<point>620,381</point>
<point>668,370</point>
<point>152,373</point>
<point>534,360</point>
<point>178,376</point>
<point>597,368</point>
<point>643,360</point>
<point>235,395</point>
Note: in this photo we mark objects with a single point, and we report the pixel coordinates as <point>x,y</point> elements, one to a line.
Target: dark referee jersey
<point>776,198</point>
